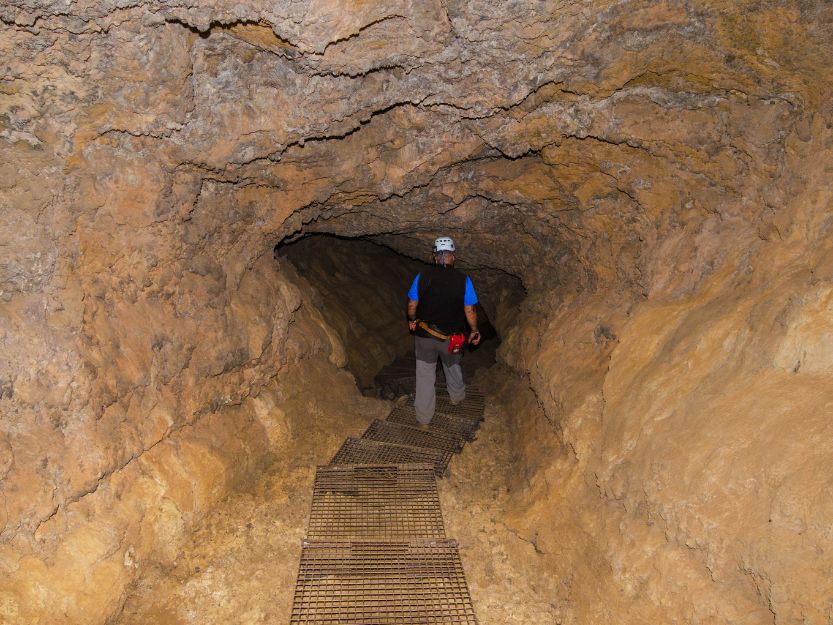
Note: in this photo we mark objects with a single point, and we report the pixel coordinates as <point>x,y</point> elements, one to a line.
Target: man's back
<point>441,298</point>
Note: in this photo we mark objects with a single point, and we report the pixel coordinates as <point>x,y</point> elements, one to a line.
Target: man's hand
<point>412,325</point>
<point>474,337</point>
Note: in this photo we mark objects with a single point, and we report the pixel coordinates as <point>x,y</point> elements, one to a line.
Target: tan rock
<point>653,175</point>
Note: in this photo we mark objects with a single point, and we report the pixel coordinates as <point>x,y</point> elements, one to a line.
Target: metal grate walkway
<point>363,451</point>
<point>368,583</point>
<point>445,423</point>
<point>401,434</point>
<point>382,502</point>
<point>376,552</point>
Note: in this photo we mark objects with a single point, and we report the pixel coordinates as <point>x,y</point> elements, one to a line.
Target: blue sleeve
<point>413,292</point>
<point>470,298</point>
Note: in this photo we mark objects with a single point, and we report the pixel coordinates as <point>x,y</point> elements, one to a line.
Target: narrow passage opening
<point>360,289</point>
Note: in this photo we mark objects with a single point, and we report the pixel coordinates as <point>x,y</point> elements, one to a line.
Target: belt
<point>433,332</point>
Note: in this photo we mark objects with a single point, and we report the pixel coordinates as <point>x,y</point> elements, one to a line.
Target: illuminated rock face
<point>656,173</point>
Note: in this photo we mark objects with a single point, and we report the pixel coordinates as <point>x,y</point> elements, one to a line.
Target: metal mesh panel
<point>400,434</point>
<point>474,398</point>
<point>382,583</point>
<point>375,501</point>
<point>376,553</point>
<point>465,428</point>
<point>363,451</point>
<point>395,381</point>
<point>466,409</point>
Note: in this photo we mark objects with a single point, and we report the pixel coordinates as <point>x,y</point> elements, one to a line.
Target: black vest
<point>442,292</point>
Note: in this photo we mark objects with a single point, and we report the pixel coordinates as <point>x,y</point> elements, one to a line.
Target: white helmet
<point>444,244</point>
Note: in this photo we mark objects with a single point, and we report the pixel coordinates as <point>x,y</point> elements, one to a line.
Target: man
<point>440,302</point>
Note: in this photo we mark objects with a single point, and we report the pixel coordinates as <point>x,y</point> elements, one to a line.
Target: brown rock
<point>655,175</point>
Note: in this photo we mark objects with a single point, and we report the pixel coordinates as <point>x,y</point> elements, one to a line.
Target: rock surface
<point>360,291</point>
<point>655,173</point>
<point>240,563</point>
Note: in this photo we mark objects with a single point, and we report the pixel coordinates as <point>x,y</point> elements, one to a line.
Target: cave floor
<point>241,562</point>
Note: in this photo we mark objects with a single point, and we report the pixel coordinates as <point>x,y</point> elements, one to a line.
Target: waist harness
<point>455,341</point>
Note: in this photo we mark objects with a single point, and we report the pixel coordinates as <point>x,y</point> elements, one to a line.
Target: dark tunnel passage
<point>361,290</point>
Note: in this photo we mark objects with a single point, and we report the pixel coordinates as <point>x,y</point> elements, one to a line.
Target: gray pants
<point>427,352</point>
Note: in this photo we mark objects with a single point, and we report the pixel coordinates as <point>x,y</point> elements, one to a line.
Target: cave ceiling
<point>555,140</point>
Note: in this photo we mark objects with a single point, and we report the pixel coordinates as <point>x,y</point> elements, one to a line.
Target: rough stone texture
<point>122,487</point>
<point>656,174</point>
<point>360,291</point>
<point>240,563</point>
<point>227,571</point>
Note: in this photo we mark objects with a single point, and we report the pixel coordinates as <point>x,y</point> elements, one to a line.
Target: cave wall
<point>188,395</point>
<point>654,172</point>
<point>671,448</point>
<point>360,290</point>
